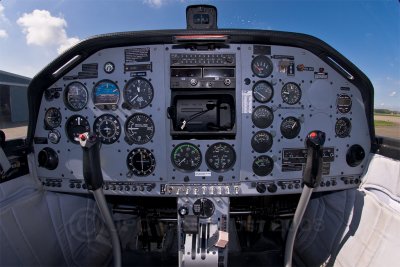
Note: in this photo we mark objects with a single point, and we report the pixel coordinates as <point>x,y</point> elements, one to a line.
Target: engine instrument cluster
<point>228,122</point>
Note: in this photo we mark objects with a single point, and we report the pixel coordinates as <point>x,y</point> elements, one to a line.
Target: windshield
<point>33,33</point>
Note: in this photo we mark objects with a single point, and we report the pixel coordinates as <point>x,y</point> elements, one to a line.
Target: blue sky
<point>34,32</point>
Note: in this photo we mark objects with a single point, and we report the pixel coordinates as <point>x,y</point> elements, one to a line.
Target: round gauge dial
<point>220,157</point>
<point>139,129</point>
<point>263,91</point>
<point>343,127</point>
<point>290,127</point>
<point>261,141</point>
<point>75,126</point>
<point>138,92</point>
<point>106,95</point>
<point>141,162</point>
<point>52,118</point>
<point>186,157</point>
<point>262,117</point>
<point>107,128</point>
<point>263,165</point>
<point>75,96</point>
<point>262,66</point>
<point>343,103</point>
<point>291,93</point>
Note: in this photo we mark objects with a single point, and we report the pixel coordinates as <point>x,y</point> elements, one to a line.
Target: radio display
<point>185,72</point>
<point>218,72</point>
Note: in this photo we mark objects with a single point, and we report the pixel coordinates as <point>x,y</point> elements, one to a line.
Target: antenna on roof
<point>201,17</point>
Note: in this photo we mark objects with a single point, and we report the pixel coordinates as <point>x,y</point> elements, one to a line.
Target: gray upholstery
<point>39,228</point>
<point>355,227</point>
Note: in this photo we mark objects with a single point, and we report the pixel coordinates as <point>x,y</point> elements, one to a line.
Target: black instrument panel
<point>170,119</point>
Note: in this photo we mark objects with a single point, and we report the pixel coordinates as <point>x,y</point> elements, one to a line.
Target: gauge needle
<point>286,93</point>
<point>133,99</point>
<point>294,124</point>
<point>260,94</point>
<point>141,159</point>
<point>180,162</point>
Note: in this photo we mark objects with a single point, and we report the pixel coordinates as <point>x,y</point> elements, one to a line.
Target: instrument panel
<point>227,122</point>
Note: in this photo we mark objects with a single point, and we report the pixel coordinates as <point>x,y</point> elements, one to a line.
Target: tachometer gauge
<point>75,126</point>
<point>138,93</point>
<point>291,93</point>
<point>220,157</point>
<point>343,103</point>
<point>263,165</point>
<point>52,118</point>
<point>261,141</point>
<point>75,96</point>
<point>186,157</point>
<point>343,127</point>
<point>262,66</point>
<point>290,127</point>
<point>106,95</point>
<point>141,162</point>
<point>263,91</point>
<point>107,128</point>
<point>262,117</point>
<point>139,129</point>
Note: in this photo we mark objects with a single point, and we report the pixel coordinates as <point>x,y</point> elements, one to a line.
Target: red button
<point>313,135</point>
<point>82,137</point>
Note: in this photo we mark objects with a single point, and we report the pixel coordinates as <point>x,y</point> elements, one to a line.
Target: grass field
<point>380,123</point>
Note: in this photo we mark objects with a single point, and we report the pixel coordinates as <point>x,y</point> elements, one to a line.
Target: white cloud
<point>3,19</point>
<point>3,34</point>
<point>67,44</point>
<point>42,29</point>
<point>154,3</point>
<point>393,93</point>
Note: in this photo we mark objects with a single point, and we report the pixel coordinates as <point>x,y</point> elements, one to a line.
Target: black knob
<point>355,155</point>
<point>261,188</point>
<point>272,188</point>
<point>48,158</point>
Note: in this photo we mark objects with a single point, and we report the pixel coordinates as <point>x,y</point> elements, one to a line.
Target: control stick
<point>94,180</point>
<point>311,179</point>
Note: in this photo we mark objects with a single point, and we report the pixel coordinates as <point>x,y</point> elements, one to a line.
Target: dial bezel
<point>116,124</point>
<point>127,97</point>
<point>128,134</point>
<point>211,150</point>
<point>298,94</point>
<point>257,98</point>
<point>191,169</point>
<point>66,100</point>
<point>265,60</point>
